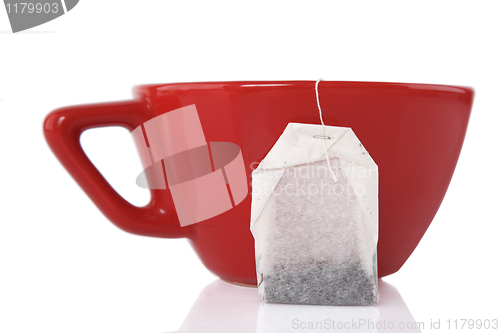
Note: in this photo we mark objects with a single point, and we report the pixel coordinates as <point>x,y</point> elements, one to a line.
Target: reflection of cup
<point>413,132</point>
<point>222,307</point>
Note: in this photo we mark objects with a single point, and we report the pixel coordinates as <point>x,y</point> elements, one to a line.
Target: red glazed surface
<point>414,132</point>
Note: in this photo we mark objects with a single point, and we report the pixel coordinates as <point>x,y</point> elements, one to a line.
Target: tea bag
<point>315,221</point>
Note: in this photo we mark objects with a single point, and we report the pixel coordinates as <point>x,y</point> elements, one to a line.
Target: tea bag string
<point>323,137</point>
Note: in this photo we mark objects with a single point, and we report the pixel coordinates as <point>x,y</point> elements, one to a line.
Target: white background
<point>65,267</point>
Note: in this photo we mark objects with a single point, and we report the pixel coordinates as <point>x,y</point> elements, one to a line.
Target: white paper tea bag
<point>316,233</point>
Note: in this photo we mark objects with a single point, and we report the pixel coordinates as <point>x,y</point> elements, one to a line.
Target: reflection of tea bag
<point>277,318</point>
<point>316,233</point>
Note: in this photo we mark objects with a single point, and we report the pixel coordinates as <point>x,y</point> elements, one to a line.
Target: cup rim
<point>144,89</point>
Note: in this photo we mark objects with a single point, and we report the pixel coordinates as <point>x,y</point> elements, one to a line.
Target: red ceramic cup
<point>414,132</point>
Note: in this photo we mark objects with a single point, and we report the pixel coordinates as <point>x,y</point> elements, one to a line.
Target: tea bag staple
<point>316,235</point>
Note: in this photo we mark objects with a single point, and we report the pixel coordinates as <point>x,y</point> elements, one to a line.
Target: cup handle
<point>62,129</point>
